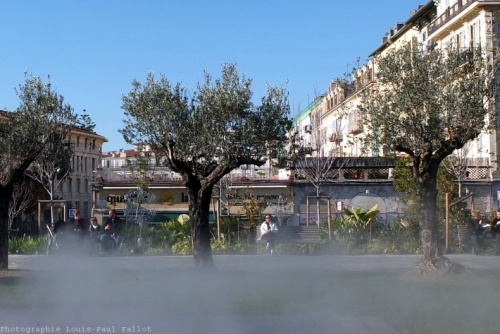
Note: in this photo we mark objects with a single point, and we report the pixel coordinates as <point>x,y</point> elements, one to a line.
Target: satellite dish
<point>183,218</point>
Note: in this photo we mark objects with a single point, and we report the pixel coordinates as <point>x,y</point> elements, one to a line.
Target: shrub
<point>27,245</point>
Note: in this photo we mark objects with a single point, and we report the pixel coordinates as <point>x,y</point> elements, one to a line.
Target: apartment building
<point>461,23</point>
<point>76,188</point>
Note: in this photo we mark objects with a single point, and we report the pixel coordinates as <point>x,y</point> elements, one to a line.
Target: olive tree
<point>205,135</point>
<point>427,104</point>
<point>41,118</point>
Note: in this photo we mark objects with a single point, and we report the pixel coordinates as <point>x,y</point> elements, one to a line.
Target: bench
<point>462,231</point>
<point>302,234</point>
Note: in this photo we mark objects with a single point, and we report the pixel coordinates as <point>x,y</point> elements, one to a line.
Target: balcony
<point>354,127</point>
<point>453,12</point>
<point>336,137</point>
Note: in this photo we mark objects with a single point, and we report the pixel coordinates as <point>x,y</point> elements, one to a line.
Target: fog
<point>245,294</point>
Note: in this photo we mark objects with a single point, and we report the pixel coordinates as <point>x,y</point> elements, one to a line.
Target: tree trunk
<point>5,196</point>
<point>318,212</point>
<point>428,220</point>
<point>433,262</point>
<point>199,209</point>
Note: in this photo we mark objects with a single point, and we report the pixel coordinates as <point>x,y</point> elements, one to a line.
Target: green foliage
<point>175,232</point>
<point>85,122</point>
<point>351,234</point>
<point>358,233</point>
<point>218,247</point>
<point>165,238</point>
<point>404,113</point>
<point>184,247</point>
<point>253,209</point>
<point>396,238</point>
<point>37,129</point>
<point>139,168</point>
<point>406,185</point>
<point>360,218</point>
<point>27,245</point>
<point>230,130</point>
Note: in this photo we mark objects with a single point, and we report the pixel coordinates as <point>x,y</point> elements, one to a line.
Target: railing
<point>336,137</point>
<point>355,127</point>
<point>478,162</point>
<point>350,168</point>
<point>451,13</point>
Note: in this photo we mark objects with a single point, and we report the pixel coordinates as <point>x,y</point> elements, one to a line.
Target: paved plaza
<point>245,294</point>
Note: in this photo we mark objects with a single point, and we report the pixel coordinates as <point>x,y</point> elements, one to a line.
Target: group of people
<point>109,236</point>
<point>478,230</point>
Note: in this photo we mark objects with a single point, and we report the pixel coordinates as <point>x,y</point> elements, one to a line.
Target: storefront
<point>172,201</point>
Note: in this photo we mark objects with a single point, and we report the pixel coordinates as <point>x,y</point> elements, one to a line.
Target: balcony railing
<point>349,168</point>
<point>451,13</point>
<point>336,137</point>
<point>355,127</point>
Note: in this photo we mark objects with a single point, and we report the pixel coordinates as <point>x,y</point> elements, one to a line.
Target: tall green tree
<point>85,122</point>
<point>427,104</point>
<point>206,135</point>
<point>41,119</point>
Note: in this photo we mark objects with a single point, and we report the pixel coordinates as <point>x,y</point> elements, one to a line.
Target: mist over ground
<point>247,294</point>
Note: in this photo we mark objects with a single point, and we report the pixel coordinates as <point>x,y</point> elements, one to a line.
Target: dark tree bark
<point>5,195</point>
<point>199,209</point>
<point>428,209</point>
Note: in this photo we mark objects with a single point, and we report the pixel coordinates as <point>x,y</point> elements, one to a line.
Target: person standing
<point>495,230</point>
<point>112,230</point>
<point>475,231</point>
<point>269,232</point>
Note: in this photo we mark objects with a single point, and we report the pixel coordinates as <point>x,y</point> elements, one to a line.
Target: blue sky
<point>93,49</point>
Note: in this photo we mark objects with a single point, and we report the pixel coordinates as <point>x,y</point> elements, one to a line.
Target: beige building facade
<point>76,188</point>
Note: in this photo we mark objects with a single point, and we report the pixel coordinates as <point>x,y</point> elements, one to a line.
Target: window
<point>475,33</point>
<point>78,185</point>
